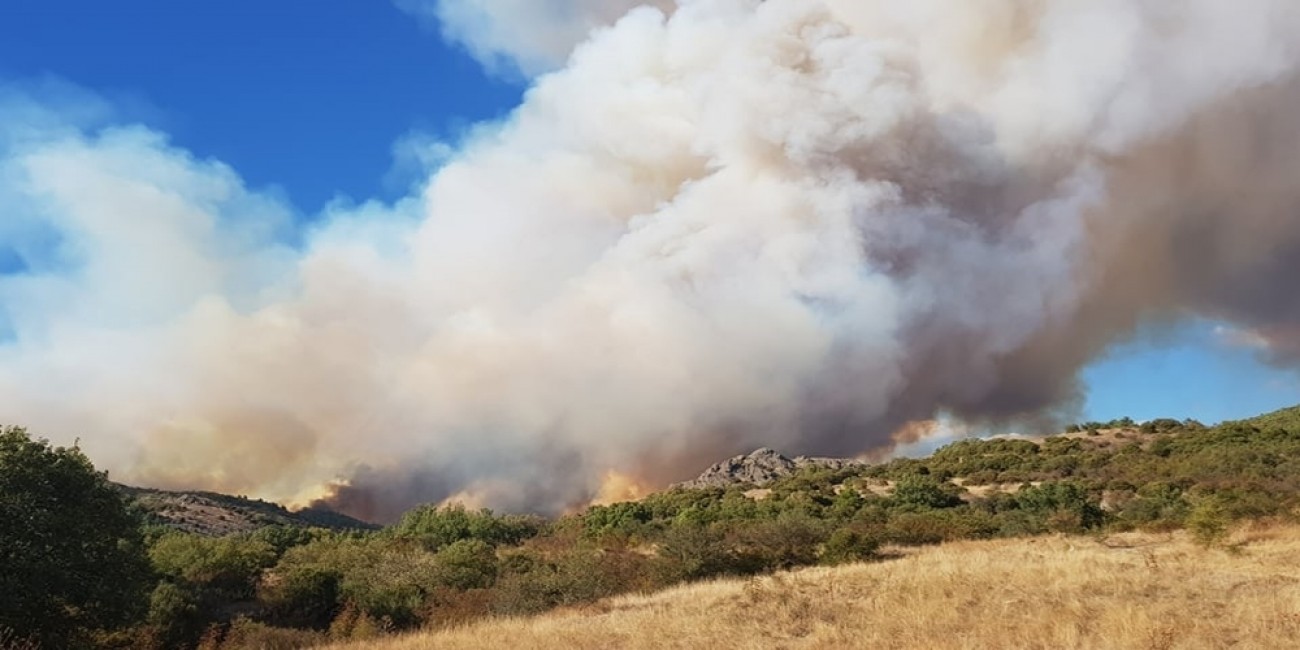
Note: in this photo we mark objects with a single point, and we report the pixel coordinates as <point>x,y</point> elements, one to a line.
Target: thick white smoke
<point>790,223</point>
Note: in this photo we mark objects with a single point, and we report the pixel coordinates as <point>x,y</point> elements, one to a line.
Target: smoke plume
<point>717,224</point>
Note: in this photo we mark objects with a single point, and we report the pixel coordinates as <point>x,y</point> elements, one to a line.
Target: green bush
<point>919,528</point>
<point>1208,523</point>
<point>1066,506</point>
<point>175,614</point>
<point>935,526</point>
<point>783,543</point>
<point>847,545</point>
<point>380,576</point>
<point>466,564</point>
<point>846,504</point>
<point>229,566</point>
<point>924,492</point>
<point>619,519</point>
<point>1156,505</point>
<point>436,527</point>
<point>577,576</point>
<point>355,624</point>
<point>301,596</point>
<point>246,634</point>
<point>283,538</point>
<point>692,552</point>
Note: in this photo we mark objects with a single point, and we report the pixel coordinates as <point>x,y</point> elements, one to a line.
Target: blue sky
<point>1192,370</point>
<point>310,97</point>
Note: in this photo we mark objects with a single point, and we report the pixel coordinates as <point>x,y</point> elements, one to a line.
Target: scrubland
<point>1134,590</point>
<point>1063,541</point>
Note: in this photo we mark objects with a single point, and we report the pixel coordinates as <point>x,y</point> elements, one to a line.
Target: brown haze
<point>716,226</point>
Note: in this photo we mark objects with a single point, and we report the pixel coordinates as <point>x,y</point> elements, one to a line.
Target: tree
<point>71,555</point>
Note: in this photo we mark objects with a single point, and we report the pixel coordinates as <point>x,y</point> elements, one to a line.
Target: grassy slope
<point>1284,419</point>
<point>1133,591</point>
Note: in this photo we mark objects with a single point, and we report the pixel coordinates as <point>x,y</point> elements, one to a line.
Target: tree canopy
<point>71,553</point>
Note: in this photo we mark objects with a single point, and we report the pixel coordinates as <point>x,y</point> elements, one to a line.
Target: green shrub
<point>229,566</point>
<point>453,607</point>
<point>621,519</point>
<point>692,552</point>
<point>577,576</point>
<point>1066,506</point>
<point>846,504</point>
<point>436,527</point>
<point>283,538</point>
<point>466,564</point>
<point>847,545</point>
<point>381,576</point>
<point>175,614</point>
<point>355,624</point>
<point>1208,523</point>
<point>1157,505</point>
<point>301,596</point>
<point>919,528</point>
<point>783,543</point>
<point>924,492</point>
<point>246,634</point>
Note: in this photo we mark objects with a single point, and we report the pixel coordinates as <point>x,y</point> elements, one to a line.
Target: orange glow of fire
<point>617,487</point>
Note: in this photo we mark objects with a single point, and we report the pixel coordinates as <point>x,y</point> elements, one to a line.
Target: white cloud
<point>523,36</point>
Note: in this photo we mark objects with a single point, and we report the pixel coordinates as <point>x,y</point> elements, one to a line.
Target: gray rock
<point>761,467</point>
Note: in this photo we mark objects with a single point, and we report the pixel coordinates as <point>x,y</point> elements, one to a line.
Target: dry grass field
<point>1133,591</point>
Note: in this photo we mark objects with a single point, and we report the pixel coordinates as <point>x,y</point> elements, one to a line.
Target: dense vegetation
<point>439,566</point>
<point>71,557</point>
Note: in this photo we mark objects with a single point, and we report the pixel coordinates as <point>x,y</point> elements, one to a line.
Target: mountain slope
<point>215,515</point>
<point>1134,591</point>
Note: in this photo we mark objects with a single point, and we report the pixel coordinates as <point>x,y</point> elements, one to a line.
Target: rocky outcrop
<point>761,467</point>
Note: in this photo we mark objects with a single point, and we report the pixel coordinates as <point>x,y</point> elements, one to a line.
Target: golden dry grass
<point>1136,591</point>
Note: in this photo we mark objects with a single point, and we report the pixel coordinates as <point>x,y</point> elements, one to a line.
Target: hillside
<point>249,574</point>
<point>215,515</point>
<point>1288,418</point>
<point>1123,591</point>
<point>975,465</point>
